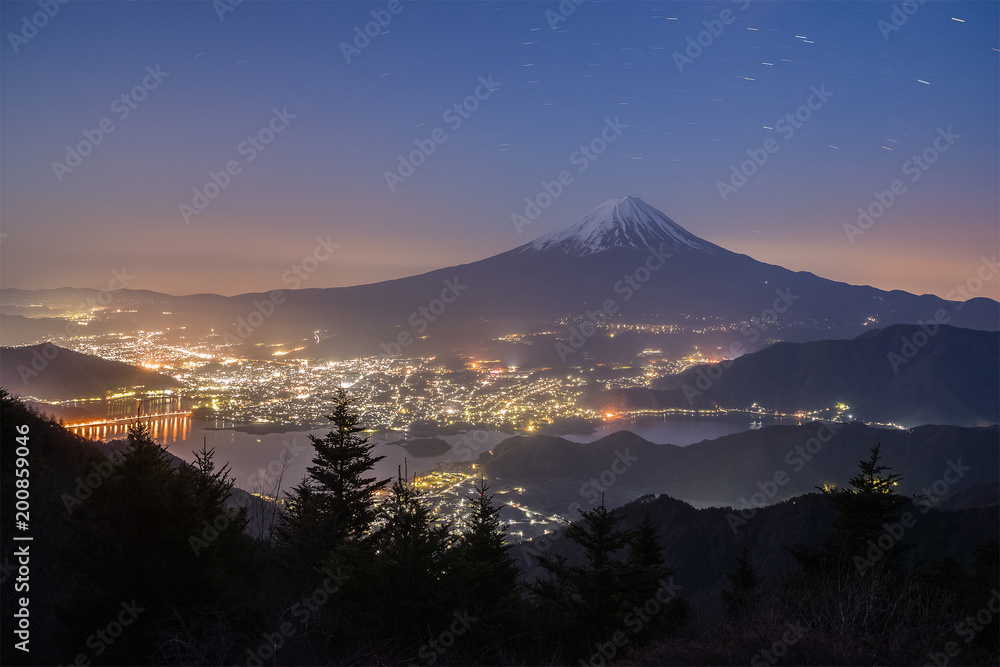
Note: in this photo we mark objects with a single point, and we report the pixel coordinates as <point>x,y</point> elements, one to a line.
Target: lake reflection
<point>256,459</point>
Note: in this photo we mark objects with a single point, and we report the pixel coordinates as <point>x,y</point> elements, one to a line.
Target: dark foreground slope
<point>55,473</point>
<point>702,545</point>
<point>948,559</point>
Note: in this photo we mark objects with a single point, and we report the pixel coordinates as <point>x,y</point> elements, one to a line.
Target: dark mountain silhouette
<point>53,373</point>
<point>898,374</point>
<point>624,260</point>
<point>21,330</point>
<point>702,545</point>
<point>755,467</point>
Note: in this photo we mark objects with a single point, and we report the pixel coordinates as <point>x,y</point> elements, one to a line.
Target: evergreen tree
<point>648,578</point>
<point>336,501</point>
<point>154,542</point>
<point>484,555</point>
<point>600,587</point>
<point>741,590</point>
<point>647,570</point>
<point>856,585</point>
<point>867,506</point>
<point>220,530</point>
<point>399,584</point>
<point>864,510</point>
<point>212,487</point>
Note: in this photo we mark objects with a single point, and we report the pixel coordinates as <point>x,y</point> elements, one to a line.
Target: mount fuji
<point>623,263</point>
<point>624,222</point>
<point>630,261</point>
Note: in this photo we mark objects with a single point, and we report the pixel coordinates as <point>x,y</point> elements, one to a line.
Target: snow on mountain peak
<point>622,222</point>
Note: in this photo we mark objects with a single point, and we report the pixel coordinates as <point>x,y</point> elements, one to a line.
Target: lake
<point>256,459</point>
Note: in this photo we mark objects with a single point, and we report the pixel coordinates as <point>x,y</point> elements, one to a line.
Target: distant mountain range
<point>902,374</point>
<point>624,261</point>
<point>53,373</point>
<point>754,467</point>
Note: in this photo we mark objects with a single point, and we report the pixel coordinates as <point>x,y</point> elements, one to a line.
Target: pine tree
<point>856,585</point>
<point>220,529</point>
<point>864,509</point>
<point>867,506</point>
<point>649,583</point>
<point>213,488</point>
<point>646,568</point>
<point>153,537</point>
<point>399,582</point>
<point>741,590</point>
<point>484,554</point>
<point>487,577</point>
<point>600,587</point>
<point>336,501</point>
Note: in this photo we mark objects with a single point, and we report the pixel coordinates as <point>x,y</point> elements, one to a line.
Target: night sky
<point>342,125</point>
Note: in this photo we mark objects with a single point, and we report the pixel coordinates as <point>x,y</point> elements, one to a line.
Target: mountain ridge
<point>54,373</point>
<point>736,469</point>
<point>542,286</point>
<point>952,378</point>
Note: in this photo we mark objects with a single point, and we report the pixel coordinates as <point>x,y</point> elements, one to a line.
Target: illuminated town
<point>279,388</point>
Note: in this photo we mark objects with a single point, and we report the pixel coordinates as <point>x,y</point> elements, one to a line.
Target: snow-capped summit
<point>622,222</point>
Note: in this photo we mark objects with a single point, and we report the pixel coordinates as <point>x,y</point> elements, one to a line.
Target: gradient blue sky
<point>323,176</point>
